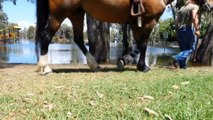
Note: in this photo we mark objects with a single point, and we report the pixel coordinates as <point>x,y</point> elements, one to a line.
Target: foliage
<point>206,18</point>
<point>31,32</point>
<point>64,34</point>
<point>11,25</point>
<point>116,32</point>
<point>169,27</point>
<point>67,31</point>
<point>3,20</point>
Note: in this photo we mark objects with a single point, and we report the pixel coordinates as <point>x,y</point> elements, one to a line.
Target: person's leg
<point>186,42</point>
<point>182,57</point>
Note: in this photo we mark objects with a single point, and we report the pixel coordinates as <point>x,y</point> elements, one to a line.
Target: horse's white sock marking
<point>43,65</point>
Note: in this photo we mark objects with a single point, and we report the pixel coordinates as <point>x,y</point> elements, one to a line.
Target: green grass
<point>107,95</point>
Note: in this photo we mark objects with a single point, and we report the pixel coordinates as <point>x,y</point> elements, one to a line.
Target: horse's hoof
<point>147,69</point>
<point>44,70</point>
<point>46,73</point>
<point>96,69</point>
<point>144,69</point>
<point>120,64</point>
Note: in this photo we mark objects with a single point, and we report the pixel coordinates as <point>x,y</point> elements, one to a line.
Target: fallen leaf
<point>99,94</point>
<point>175,87</point>
<point>48,106</point>
<point>148,97</point>
<point>167,117</point>
<point>59,87</point>
<point>26,100</point>
<point>185,83</point>
<point>140,98</point>
<point>69,114</point>
<point>45,102</point>
<point>30,94</point>
<point>92,103</point>
<point>150,111</point>
<point>170,92</point>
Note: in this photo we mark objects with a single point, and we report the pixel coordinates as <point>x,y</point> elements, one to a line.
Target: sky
<point>24,13</point>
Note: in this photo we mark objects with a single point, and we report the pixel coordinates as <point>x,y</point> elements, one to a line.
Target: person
<point>187,30</point>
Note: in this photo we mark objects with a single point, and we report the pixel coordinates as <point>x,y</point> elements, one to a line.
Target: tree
<point>24,33</point>
<point>3,15</point>
<point>99,37</point>
<point>31,32</point>
<point>63,35</point>
<point>66,31</point>
<point>3,20</point>
<point>126,39</point>
<point>204,52</point>
<point>167,26</point>
<point>14,2</point>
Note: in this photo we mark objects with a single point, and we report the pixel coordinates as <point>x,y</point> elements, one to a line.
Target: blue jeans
<point>187,41</point>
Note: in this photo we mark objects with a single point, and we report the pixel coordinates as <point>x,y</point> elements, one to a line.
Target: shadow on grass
<point>87,70</point>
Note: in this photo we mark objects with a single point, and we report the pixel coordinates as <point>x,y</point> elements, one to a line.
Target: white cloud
<point>25,24</point>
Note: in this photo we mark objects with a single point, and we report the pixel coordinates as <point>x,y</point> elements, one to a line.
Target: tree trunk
<point>205,49</point>
<point>127,45</point>
<point>98,37</point>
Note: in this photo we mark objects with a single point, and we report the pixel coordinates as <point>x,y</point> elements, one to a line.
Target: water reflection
<point>23,52</point>
<point>20,52</point>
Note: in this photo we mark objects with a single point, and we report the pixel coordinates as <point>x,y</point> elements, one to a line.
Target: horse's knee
<point>44,43</point>
<point>92,62</point>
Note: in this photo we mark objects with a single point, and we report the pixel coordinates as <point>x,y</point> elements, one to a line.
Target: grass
<point>73,92</point>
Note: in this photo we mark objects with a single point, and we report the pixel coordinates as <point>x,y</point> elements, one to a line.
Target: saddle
<point>137,9</point>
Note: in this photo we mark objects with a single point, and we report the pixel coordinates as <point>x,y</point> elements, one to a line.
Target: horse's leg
<point>141,42</point>
<point>46,36</point>
<point>77,19</point>
<point>141,36</point>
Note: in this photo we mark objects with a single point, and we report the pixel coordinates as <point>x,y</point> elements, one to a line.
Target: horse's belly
<point>113,11</point>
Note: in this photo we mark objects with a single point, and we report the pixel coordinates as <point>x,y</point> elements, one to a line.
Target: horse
<point>51,13</point>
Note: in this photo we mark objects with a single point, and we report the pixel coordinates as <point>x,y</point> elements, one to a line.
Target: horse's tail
<point>42,13</point>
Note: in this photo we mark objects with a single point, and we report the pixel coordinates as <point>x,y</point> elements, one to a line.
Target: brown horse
<point>51,13</point>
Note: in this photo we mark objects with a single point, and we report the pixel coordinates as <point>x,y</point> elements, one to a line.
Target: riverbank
<point>74,92</point>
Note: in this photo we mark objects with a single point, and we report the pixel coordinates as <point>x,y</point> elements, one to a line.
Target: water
<point>24,52</point>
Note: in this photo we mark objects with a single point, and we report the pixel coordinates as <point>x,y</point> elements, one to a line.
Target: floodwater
<point>24,52</point>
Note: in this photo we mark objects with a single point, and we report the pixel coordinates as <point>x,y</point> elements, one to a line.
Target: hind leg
<point>77,20</point>
<point>46,38</point>
<point>141,38</point>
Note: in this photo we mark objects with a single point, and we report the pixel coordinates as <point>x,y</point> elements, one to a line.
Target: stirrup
<point>140,11</point>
